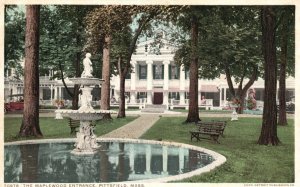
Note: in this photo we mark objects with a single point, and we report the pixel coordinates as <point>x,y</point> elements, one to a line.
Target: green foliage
<point>247,162</point>
<point>228,37</point>
<point>286,12</point>
<point>251,104</point>
<point>14,38</point>
<point>63,38</point>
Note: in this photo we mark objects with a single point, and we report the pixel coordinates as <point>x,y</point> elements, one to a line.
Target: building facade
<point>154,79</point>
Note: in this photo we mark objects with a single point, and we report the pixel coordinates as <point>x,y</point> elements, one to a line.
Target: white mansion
<point>155,79</point>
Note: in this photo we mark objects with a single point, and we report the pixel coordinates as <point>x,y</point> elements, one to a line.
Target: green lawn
<point>247,162</point>
<point>52,128</point>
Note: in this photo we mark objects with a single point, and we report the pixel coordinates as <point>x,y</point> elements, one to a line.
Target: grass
<point>247,162</point>
<point>52,128</point>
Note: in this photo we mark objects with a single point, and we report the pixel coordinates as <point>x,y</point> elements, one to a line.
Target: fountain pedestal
<point>85,138</point>
<point>86,142</point>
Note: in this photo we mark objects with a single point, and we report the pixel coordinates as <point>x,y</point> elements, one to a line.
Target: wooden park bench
<point>211,130</point>
<point>74,124</point>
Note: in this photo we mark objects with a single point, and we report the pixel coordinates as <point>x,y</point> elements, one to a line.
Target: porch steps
<point>154,108</point>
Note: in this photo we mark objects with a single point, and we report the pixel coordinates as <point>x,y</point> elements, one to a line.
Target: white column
<point>199,97</point>
<point>51,94</point>
<point>117,88</point>
<point>149,81</point>
<point>182,85</point>
<point>41,94</point>
<point>110,92</point>
<point>131,158</point>
<point>199,92</point>
<point>132,83</point>
<point>166,82</point>
<point>148,159</point>
<point>55,92</point>
<point>60,93</point>
<point>165,160</point>
<point>181,160</point>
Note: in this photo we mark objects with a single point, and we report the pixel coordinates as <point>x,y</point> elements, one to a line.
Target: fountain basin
<point>88,115</point>
<point>118,160</point>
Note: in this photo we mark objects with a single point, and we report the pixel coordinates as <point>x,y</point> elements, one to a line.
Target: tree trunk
<point>105,89</point>
<point>240,94</point>
<point>282,75</point>
<point>269,122</point>
<point>75,97</point>
<point>122,75</point>
<point>29,157</point>
<point>30,123</point>
<point>241,97</point>
<point>193,115</point>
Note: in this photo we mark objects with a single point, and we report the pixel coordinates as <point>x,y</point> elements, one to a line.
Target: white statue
<point>87,67</point>
<point>86,99</point>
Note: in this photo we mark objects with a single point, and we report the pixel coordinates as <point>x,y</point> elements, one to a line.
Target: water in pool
<point>53,162</point>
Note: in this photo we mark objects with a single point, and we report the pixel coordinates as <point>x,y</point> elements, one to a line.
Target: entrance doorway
<point>158,98</point>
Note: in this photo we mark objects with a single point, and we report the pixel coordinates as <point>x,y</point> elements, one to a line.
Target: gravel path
<point>134,129</point>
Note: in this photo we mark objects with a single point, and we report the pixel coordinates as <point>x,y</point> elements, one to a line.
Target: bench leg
<point>215,138</point>
<point>195,135</point>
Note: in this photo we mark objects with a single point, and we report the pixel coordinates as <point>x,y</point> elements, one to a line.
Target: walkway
<point>134,129</point>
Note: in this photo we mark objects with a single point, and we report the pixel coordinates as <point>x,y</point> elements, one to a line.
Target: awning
<point>209,88</point>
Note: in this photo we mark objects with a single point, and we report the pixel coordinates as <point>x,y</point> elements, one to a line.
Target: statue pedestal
<point>86,142</point>
<point>234,115</point>
<point>58,114</point>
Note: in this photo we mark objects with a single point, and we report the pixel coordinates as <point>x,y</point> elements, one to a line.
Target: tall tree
<point>62,43</point>
<point>237,33</point>
<point>189,21</point>
<point>285,33</point>
<point>269,123</point>
<point>105,89</point>
<point>102,22</point>
<point>232,49</point>
<point>120,45</point>
<point>30,123</point>
<point>193,113</point>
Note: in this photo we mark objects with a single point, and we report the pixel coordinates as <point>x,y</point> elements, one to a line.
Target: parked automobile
<point>15,102</point>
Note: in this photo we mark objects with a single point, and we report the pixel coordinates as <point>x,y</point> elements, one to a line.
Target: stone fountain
<point>86,139</point>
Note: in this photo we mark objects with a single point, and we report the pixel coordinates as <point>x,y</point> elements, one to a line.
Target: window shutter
<point>163,71</point>
<point>139,71</point>
<point>170,71</point>
<point>153,71</point>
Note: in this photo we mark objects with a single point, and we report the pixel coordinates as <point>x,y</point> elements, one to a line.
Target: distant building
<point>155,79</point>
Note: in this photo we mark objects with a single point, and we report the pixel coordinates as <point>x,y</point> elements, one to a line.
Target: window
<point>187,95</point>
<point>158,71</point>
<point>174,95</point>
<point>141,95</point>
<point>187,74</point>
<point>143,71</point>
<point>174,72</point>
